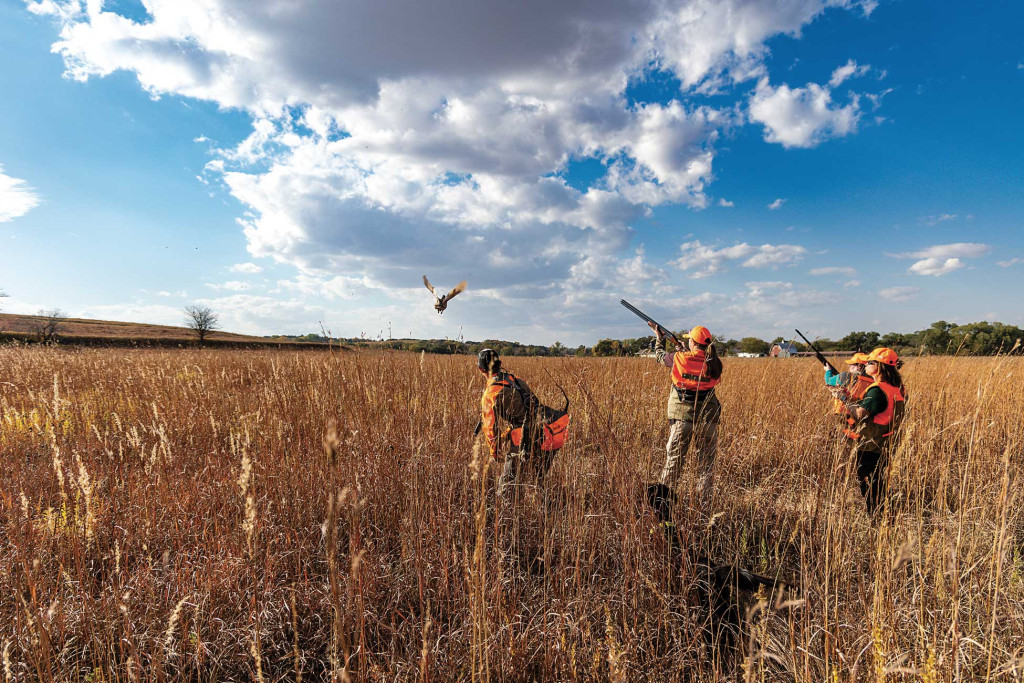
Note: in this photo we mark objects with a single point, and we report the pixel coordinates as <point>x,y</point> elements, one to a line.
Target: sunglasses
<point>871,362</point>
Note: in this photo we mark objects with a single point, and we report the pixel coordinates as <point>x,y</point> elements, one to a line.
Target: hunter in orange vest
<point>873,422</point>
<point>536,430</point>
<point>693,408</point>
<point>848,386</point>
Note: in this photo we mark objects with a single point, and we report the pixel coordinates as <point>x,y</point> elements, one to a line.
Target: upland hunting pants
<point>699,426</point>
<point>872,473</point>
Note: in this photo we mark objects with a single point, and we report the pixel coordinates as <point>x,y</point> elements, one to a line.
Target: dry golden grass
<point>271,515</point>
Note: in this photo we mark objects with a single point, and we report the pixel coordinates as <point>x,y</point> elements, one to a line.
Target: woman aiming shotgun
<point>693,408</point>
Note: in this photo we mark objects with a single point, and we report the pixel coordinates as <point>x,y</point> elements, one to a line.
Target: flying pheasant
<point>442,302</point>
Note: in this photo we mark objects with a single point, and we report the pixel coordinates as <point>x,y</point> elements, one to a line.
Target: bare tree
<point>47,324</point>
<point>201,320</point>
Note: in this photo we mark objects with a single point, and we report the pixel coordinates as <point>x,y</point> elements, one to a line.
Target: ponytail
<point>712,363</point>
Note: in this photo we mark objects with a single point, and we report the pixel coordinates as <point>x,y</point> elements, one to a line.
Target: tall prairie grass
<point>234,515</point>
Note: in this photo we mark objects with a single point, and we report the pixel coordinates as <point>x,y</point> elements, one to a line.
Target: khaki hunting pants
<point>702,430</point>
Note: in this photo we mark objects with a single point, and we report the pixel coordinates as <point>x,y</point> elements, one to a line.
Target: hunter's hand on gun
<point>658,332</point>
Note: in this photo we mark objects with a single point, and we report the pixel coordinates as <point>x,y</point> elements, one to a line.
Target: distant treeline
<point>942,338</point>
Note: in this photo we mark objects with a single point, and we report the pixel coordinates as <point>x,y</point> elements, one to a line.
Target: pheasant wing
<point>461,287</point>
<point>429,286</point>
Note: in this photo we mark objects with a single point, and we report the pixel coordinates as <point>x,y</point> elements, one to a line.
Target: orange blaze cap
<point>701,335</point>
<point>857,359</point>
<point>884,355</point>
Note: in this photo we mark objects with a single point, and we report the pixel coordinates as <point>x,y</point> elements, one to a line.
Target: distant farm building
<point>783,350</point>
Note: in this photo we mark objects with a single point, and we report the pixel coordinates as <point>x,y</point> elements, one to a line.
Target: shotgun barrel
<point>818,353</point>
<point>646,318</point>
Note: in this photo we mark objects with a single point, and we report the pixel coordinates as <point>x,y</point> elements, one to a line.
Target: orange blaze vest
<point>856,392</point>
<point>890,417</point>
<point>689,372</point>
<point>495,385</point>
<point>554,434</point>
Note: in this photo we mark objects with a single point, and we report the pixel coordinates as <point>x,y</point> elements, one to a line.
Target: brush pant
<point>698,425</point>
<point>872,474</point>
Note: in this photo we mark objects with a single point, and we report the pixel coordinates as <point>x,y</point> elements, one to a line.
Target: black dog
<point>719,587</point>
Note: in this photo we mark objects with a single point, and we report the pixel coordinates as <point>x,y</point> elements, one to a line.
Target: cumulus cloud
<point>233,286</point>
<point>16,197</point>
<point>775,305</point>
<point>834,270</point>
<point>442,144</point>
<point>768,295</point>
<point>777,204</point>
<point>247,268</point>
<point>899,294</point>
<point>726,203</point>
<point>802,117</point>
<point>955,250</point>
<point>849,70</point>
<point>942,259</point>
<point>701,260</point>
<point>936,266</point>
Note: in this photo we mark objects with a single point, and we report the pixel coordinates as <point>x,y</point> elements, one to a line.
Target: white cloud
<point>1010,262</point>
<point>768,295</point>
<point>16,197</point>
<point>834,270</point>
<point>775,255</point>
<point>247,268</point>
<point>936,266</point>
<point>935,220</point>
<point>772,305</point>
<point>849,70</point>
<point>801,117</point>
<point>701,260</point>
<point>899,294</point>
<point>386,142</point>
<point>955,250</point>
<point>942,259</point>
<point>167,295</point>
<point>233,286</point>
<point>726,203</point>
<point>337,287</point>
<point>777,204</point>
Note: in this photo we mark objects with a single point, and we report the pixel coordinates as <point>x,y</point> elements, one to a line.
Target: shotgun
<point>646,318</point>
<point>818,353</point>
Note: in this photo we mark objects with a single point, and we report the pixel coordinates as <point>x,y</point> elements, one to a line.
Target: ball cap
<point>884,355</point>
<point>858,359</point>
<point>700,334</point>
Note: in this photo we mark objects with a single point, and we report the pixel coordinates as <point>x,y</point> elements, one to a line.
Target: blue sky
<point>752,166</point>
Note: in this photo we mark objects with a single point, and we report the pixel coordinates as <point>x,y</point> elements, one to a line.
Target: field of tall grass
<point>268,515</point>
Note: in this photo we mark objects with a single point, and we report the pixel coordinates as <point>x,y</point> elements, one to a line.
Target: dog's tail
<point>565,408</point>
